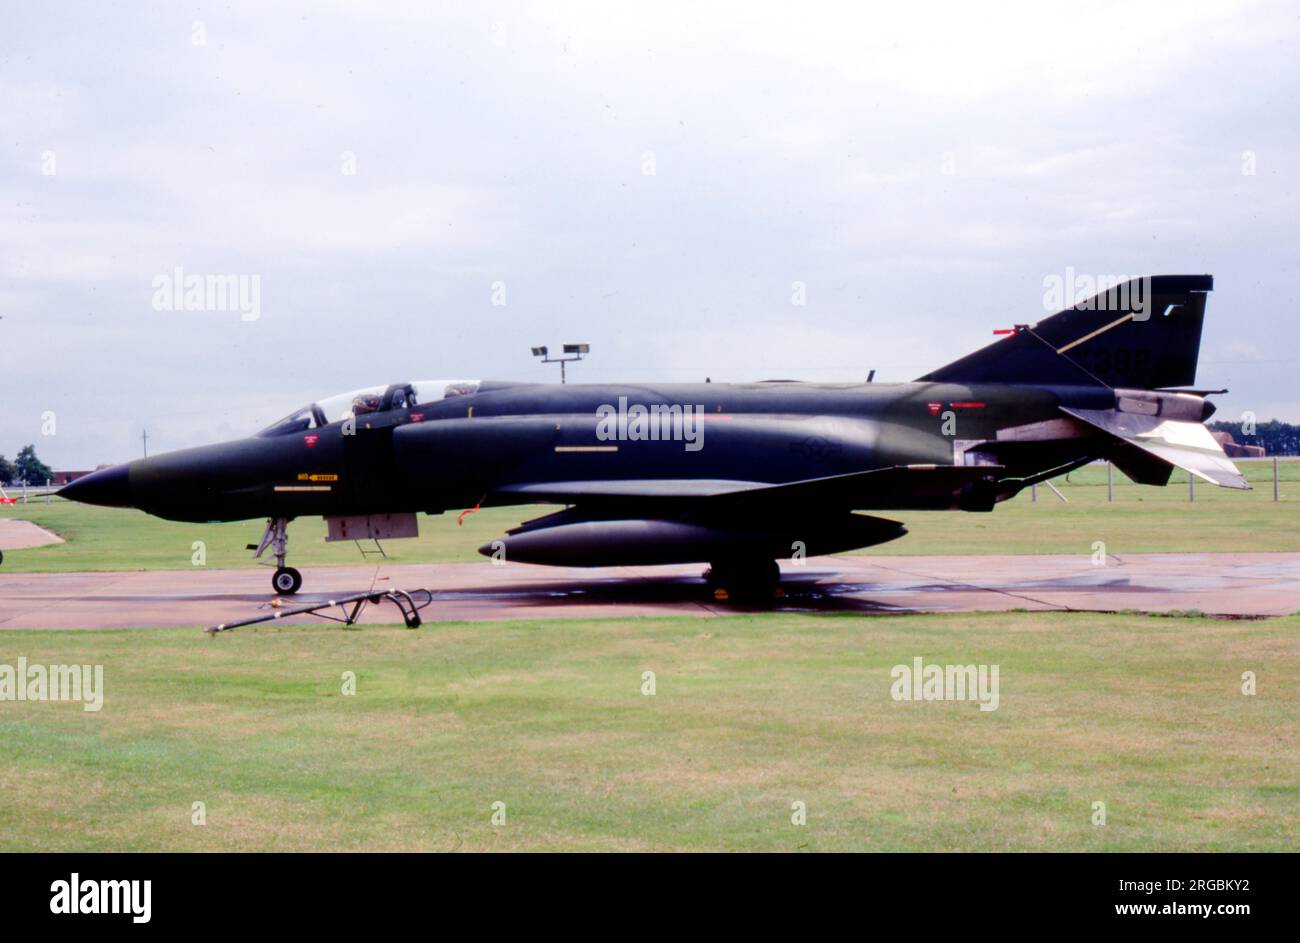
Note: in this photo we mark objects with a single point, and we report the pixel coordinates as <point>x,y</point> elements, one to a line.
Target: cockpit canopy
<point>374,399</point>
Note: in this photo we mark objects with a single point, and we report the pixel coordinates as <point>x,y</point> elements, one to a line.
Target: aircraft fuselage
<point>450,454</point>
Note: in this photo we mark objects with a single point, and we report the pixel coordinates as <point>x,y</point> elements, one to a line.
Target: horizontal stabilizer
<point>1186,445</point>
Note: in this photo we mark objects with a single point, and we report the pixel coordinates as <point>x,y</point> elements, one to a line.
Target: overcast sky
<point>653,182</point>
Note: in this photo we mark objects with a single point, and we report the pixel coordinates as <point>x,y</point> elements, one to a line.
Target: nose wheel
<point>286,580</point>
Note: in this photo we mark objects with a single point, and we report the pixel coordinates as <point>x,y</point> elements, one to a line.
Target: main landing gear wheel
<point>286,581</point>
<point>745,580</point>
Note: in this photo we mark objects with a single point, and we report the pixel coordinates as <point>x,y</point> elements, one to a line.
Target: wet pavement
<point>1227,584</point>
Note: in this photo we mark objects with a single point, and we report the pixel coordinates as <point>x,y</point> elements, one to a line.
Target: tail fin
<point>1141,334</point>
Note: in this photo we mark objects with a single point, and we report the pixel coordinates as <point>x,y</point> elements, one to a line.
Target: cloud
<point>651,180</point>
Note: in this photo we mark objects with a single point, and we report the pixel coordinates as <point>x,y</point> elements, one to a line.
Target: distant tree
<point>30,468</point>
<point>1278,438</point>
<point>7,470</point>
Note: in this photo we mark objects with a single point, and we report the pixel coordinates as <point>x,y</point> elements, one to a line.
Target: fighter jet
<point>737,476</point>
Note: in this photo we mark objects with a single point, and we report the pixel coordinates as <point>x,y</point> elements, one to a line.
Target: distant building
<point>1234,449</point>
<point>62,478</point>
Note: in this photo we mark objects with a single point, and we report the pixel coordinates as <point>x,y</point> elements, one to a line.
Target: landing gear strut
<point>286,580</point>
<point>750,580</point>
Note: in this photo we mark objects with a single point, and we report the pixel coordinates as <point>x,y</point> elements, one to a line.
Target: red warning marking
<point>417,417</point>
<point>934,408</point>
<point>1005,330</point>
<point>968,405</point>
<point>311,440</point>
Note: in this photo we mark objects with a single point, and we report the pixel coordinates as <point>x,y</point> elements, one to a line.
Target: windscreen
<point>371,399</point>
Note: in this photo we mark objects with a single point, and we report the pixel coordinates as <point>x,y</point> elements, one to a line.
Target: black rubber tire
<point>745,579</point>
<point>286,581</point>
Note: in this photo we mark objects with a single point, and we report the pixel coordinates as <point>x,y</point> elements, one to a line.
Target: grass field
<point>750,715</point>
<point>1140,519</point>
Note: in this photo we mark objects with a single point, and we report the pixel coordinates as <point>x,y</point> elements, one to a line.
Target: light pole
<point>575,350</point>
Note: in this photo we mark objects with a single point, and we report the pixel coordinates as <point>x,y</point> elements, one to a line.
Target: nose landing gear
<point>285,580</point>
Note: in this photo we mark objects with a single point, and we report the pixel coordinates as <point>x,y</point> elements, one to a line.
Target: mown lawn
<point>750,715</point>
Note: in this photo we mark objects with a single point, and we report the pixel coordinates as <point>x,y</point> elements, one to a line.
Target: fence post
<point>1274,477</point>
<point>1033,490</point>
<point>1110,484</point>
<point>48,482</point>
<point>1191,487</point>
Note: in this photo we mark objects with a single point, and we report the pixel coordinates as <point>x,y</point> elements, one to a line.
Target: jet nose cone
<point>109,487</point>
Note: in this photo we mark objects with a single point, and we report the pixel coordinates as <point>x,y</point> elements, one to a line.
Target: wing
<point>653,521</point>
<point>893,487</point>
<point>571,492</point>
